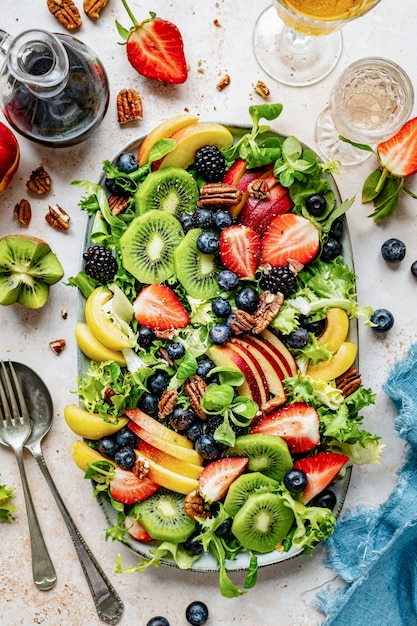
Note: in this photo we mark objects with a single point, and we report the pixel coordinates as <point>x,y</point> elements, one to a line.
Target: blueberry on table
<point>157,621</point>
<point>316,204</point>
<point>414,269</point>
<point>393,250</point>
<point>197,613</point>
<point>295,480</point>
<point>383,320</point>
<point>127,163</point>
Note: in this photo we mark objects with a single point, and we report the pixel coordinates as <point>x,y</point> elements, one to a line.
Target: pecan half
<point>261,89</point>
<point>66,13</point>
<point>215,195</point>
<point>195,388</point>
<point>58,218</point>
<point>273,403</point>
<point>118,204</point>
<point>107,394</point>
<point>129,106</point>
<point>269,305</point>
<point>141,468</point>
<point>93,8</point>
<point>39,181</point>
<point>167,402</point>
<point>258,188</point>
<point>223,82</point>
<point>169,333</point>
<point>57,346</point>
<point>349,382</point>
<point>242,322</point>
<point>194,505</point>
<point>23,212</point>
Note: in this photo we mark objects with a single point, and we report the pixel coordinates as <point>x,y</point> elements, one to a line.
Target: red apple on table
<point>9,156</point>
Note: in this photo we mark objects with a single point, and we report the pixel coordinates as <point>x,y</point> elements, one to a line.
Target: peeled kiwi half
<point>28,267</point>
<point>267,454</point>
<point>164,518</point>
<point>170,189</point>
<point>244,486</point>
<point>197,272</point>
<point>262,522</point>
<point>148,246</point>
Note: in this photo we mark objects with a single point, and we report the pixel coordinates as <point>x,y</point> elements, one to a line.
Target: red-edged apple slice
<point>167,460</point>
<point>240,177</point>
<point>258,374</point>
<point>224,356</point>
<point>280,364</point>
<point>285,354</point>
<point>258,214</point>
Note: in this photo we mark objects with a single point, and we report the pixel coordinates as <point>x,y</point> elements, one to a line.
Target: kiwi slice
<point>262,522</point>
<point>28,267</point>
<point>268,454</point>
<point>244,486</point>
<point>148,246</point>
<point>164,517</point>
<point>197,272</point>
<point>169,189</point>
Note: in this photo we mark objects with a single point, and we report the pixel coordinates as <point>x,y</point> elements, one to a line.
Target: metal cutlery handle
<point>44,574</point>
<point>108,604</point>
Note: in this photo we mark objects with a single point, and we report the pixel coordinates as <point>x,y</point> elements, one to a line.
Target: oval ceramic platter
<point>207,562</point>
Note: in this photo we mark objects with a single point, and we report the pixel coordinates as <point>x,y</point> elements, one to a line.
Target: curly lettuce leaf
<point>6,507</point>
<point>313,523</point>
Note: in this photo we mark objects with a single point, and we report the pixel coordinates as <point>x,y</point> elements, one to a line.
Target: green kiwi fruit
<point>262,522</point>
<point>148,246</point>
<point>243,486</point>
<point>164,518</point>
<point>268,454</point>
<point>197,272</point>
<point>169,189</point>
<point>28,267</point>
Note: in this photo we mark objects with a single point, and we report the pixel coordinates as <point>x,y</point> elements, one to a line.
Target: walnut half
<point>195,506</point>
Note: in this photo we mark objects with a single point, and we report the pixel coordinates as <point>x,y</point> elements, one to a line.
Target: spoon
<point>39,403</point>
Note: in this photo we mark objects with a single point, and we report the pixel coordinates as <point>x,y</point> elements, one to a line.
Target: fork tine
<point>18,406</point>
<point>5,414</point>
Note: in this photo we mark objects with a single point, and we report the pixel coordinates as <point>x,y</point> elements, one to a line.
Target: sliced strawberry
<point>155,48</point>
<point>217,477</point>
<point>321,470</point>
<point>297,423</point>
<point>136,530</point>
<point>158,307</point>
<point>288,238</point>
<point>259,213</point>
<point>399,153</point>
<point>127,488</point>
<point>240,247</point>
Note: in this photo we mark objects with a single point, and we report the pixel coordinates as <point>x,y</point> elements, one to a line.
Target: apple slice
<point>261,390</point>
<point>91,425</point>
<point>189,455</point>
<point>102,327</point>
<point>160,431</point>
<point>162,131</point>
<point>170,462</point>
<point>192,137</point>
<point>168,478</point>
<point>258,213</point>
<point>337,365</point>
<point>93,349</point>
<point>83,455</point>
<point>285,355</point>
<point>243,182</point>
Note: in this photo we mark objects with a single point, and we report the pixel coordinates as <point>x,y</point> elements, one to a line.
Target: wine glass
<point>298,42</point>
<point>369,103</point>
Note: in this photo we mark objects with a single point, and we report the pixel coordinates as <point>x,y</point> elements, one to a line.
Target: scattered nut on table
<point>39,181</point>
<point>57,346</point>
<point>223,82</point>
<point>93,8</point>
<point>129,106</point>
<point>262,89</point>
<point>58,218</point>
<point>66,12</point>
<point>23,212</point>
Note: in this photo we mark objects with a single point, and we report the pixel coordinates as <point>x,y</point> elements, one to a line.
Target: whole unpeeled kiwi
<point>28,268</point>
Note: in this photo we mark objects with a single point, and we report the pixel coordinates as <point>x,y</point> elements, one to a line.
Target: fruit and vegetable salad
<point>219,395</point>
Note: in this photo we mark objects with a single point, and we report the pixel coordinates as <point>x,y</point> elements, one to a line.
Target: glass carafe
<point>54,89</point>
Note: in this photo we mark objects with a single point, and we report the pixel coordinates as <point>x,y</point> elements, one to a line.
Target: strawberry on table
<point>157,307</point>
<point>127,488</point>
<point>290,238</point>
<point>297,423</point>
<point>155,48</point>
<point>217,477</point>
<point>399,153</point>
<point>321,470</point>
<point>240,247</point>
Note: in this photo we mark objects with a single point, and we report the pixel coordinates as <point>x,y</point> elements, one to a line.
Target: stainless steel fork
<point>15,429</point>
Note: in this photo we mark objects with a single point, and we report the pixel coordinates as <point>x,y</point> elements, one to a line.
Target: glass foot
<point>291,58</point>
<point>329,145</point>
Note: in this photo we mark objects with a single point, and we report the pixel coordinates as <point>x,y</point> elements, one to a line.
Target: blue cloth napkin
<point>375,550</point>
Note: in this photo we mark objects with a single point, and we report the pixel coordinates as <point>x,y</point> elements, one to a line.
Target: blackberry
<point>210,164</point>
<point>278,279</point>
<point>100,264</point>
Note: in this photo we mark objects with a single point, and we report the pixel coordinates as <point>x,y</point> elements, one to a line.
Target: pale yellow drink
<point>320,17</point>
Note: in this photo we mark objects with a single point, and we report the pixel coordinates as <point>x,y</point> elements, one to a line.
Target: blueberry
<point>295,480</point>
<point>157,621</point>
<point>127,163</point>
<point>145,336</point>
<point>107,446</point>
<point>196,613</point>
<point>208,242</point>
<point>176,350</point>
<point>331,249</point>
<point>383,319</point>
<point>204,367</point>
<point>316,327</point>
<point>413,269</point>
<point>316,204</point>
<point>225,527</point>
<point>194,546</point>
<point>222,219</point>
<point>125,458</point>
<point>182,418</point>
<point>208,447</point>
<point>337,228</point>
<point>187,221</point>
<point>203,218</point>
<point>126,437</point>
<point>220,333</point>
<point>114,188</point>
<point>228,280</point>
<point>326,499</point>
<point>194,432</point>
<point>221,307</point>
<point>149,403</point>
<point>247,299</point>
<point>157,382</point>
<point>298,339</point>
<point>393,250</point>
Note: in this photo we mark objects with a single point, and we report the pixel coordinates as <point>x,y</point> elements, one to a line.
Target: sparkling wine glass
<point>369,103</point>
<point>298,42</point>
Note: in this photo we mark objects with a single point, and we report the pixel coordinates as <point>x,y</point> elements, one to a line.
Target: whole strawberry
<point>155,48</point>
